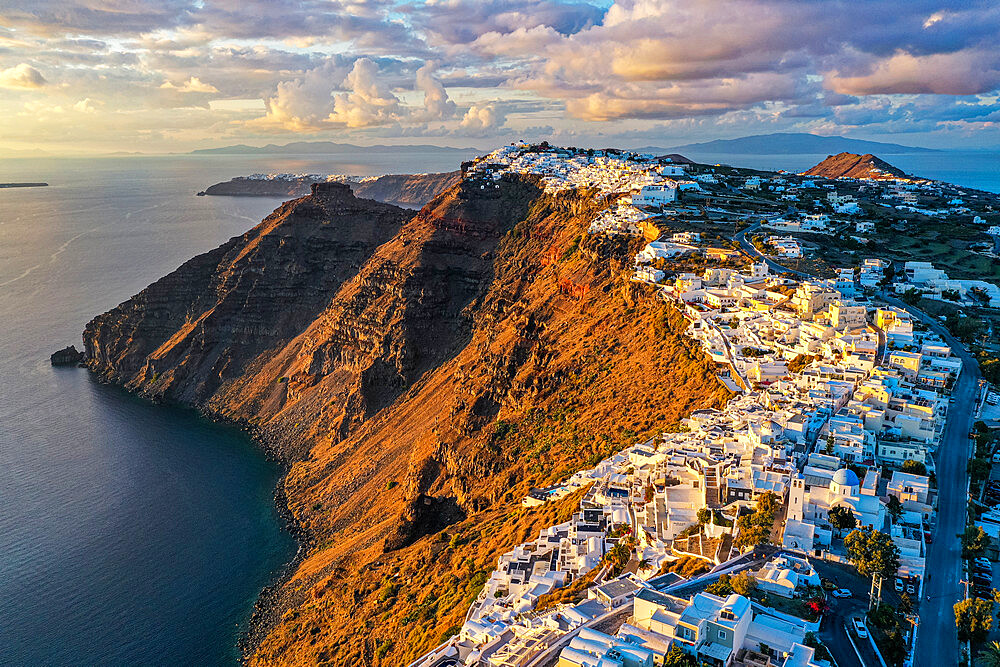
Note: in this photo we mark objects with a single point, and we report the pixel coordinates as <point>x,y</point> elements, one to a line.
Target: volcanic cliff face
<point>420,373</point>
<point>406,190</point>
<point>851,165</point>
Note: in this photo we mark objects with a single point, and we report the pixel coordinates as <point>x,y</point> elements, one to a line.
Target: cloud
<point>192,85</point>
<point>964,72</point>
<point>437,105</point>
<point>22,76</point>
<point>368,102</point>
<point>303,103</point>
<point>453,22</point>
<point>482,119</point>
<point>86,105</point>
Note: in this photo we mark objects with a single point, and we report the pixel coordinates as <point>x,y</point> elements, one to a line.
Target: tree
<point>914,467</point>
<point>768,502</point>
<point>989,656</point>
<point>911,296</point>
<point>675,657</point>
<point>841,518</point>
<point>895,508</point>
<point>974,619</point>
<point>755,528</point>
<point>873,553</point>
<point>975,541</point>
<point>704,515</point>
<point>906,604</point>
<point>743,583</point>
<point>723,587</point>
<point>895,647</point>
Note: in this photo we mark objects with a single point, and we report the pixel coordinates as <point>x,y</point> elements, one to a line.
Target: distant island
<point>328,148</point>
<point>405,190</point>
<point>23,185</point>
<point>851,165</point>
<point>791,143</point>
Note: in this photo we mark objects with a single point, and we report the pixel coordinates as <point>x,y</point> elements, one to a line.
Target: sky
<point>92,76</point>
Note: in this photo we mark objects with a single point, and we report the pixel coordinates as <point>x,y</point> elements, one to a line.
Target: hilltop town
<point>726,540</point>
<point>594,407</point>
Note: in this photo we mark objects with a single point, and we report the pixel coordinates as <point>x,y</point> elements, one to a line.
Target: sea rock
<point>68,356</point>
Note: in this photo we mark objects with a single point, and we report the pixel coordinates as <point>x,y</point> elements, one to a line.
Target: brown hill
<point>851,165</point>
<point>406,190</point>
<point>419,373</point>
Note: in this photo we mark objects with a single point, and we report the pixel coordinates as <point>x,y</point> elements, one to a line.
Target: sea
<point>142,534</point>
<point>130,533</point>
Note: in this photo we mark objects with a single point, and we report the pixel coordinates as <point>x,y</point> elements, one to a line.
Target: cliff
<point>419,373</point>
<point>851,165</point>
<point>406,190</point>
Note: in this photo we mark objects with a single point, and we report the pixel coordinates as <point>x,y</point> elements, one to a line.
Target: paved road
<point>741,238</point>
<point>833,630</point>
<point>937,640</point>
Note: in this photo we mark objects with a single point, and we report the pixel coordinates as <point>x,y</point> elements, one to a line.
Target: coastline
<point>266,610</point>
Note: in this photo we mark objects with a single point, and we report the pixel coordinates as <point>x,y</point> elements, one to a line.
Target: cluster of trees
<point>742,583</point>
<point>755,528</point>
<point>618,557</point>
<point>974,618</point>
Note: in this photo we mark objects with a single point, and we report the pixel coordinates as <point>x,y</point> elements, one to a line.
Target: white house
<point>655,195</point>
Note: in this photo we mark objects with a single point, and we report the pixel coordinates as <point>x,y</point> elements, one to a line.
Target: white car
<point>860,628</point>
<point>841,593</point>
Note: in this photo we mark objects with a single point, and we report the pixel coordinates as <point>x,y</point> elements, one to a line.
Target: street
<point>937,640</point>
<point>747,247</point>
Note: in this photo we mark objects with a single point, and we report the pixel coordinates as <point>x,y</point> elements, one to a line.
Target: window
<point>722,634</point>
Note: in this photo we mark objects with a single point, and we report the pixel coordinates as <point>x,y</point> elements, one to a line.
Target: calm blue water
<point>130,534</point>
<point>972,169</point>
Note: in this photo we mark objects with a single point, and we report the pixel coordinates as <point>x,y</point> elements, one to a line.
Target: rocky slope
<point>419,373</point>
<point>851,165</point>
<point>406,190</point>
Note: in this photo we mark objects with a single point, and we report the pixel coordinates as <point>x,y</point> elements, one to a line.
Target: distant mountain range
<point>327,148</point>
<point>789,143</point>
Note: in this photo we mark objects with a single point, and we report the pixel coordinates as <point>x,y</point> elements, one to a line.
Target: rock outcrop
<point>851,165</point>
<point>419,372</point>
<point>68,356</point>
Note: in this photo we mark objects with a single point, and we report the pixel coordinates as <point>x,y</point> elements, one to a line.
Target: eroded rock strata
<point>418,373</point>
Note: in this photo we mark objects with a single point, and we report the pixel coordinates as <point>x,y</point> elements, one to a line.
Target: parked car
<point>928,539</point>
<point>910,589</point>
<point>841,593</point>
<point>828,585</point>
<point>899,585</point>
<point>985,562</point>
<point>860,628</point>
